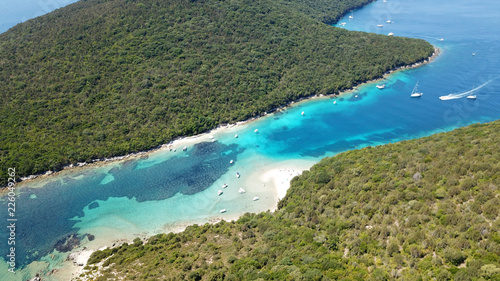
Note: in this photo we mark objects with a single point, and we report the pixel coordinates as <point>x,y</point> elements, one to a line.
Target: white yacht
<point>256,198</point>
<point>241,190</point>
<point>415,93</point>
<point>220,192</point>
<point>381,86</point>
<point>472,97</point>
<point>223,211</point>
<point>380,25</point>
<point>390,34</point>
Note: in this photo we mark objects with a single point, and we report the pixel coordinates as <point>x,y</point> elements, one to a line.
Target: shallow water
<point>151,194</point>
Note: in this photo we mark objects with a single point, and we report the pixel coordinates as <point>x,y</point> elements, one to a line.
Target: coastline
<point>268,180</point>
<point>275,176</point>
<point>180,142</point>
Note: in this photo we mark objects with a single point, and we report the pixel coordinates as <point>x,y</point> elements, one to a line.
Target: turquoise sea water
<point>149,194</point>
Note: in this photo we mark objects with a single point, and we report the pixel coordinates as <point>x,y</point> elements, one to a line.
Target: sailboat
<point>351,16</point>
<point>414,93</point>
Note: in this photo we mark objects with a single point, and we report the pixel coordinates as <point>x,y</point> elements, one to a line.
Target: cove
<point>148,195</point>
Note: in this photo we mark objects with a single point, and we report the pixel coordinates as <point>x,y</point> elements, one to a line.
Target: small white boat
<point>223,211</point>
<point>390,34</point>
<point>356,96</point>
<point>241,190</point>
<point>415,93</point>
<point>184,148</point>
<point>388,21</point>
<point>231,162</point>
<point>381,86</point>
<point>256,198</point>
<point>380,25</point>
<point>447,97</point>
<point>236,136</point>
<point>213,140</point>
<point>302,113</point>
<point>224,185</point>
<point>237,174</point>
<point>441,39</point>
<point>351,17</point>
<point>473,54</point>
<point>220,192</point>
<point>256,130</point>
<point>472,97</point>
<point>334,102</point>
<point>342,23</point>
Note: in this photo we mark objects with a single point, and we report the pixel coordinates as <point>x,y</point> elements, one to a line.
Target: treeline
<point>425,209</point>
<point>105,78</point>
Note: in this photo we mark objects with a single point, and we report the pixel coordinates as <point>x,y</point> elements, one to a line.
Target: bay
<point>166,190</point>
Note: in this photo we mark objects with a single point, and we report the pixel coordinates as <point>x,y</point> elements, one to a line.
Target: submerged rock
<point>68,243</point>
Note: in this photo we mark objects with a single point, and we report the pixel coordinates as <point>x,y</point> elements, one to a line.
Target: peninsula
<point>101,78</point>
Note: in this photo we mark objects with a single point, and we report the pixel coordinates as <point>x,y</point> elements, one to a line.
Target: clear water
<point>14,12</point>
<point>151,194</point>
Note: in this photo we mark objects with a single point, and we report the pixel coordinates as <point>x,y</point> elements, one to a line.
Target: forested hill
<point>425,209</point>
<point>104,78</point>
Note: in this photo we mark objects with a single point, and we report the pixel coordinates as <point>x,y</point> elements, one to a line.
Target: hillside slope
<point>425,209</point>
<point>102,78</point>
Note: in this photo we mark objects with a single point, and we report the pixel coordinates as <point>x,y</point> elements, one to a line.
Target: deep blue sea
<point>165,188</point>
<point>14,12</point>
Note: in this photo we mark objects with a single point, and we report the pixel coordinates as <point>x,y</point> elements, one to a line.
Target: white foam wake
<point>461,95</point>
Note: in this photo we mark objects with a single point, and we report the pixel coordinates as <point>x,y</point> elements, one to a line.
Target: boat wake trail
<point>461,95</point>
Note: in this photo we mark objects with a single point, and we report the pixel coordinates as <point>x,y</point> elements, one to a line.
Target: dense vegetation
<point>101,78</point>
<point>425,209</point>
